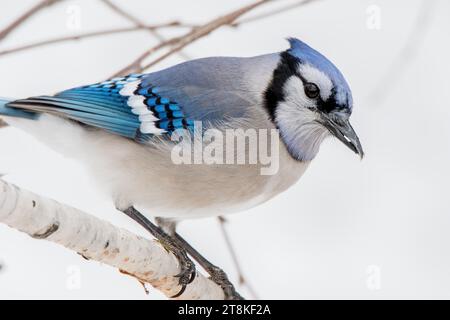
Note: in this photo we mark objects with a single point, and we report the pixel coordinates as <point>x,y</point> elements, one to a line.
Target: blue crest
<point>308,55</point>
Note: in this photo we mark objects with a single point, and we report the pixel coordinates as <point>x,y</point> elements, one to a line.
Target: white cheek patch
<point>295,94</point>
<point>316,76</point>
<point>299,130</point>
<point>296,119</point>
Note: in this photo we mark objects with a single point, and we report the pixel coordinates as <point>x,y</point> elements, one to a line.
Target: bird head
<point>309,99</point>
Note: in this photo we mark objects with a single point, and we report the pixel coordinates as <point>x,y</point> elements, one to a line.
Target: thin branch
<point>179,43</point>
<point>135,66</point>
<point>137,23</point>
<point>91,35</point>
<point>123,13</point>
<point>242,279</point>
<point>205,30</point>
<point>25,16</point>
<point>272,12</point>
<point>19,21</point>
<point>98,240</point>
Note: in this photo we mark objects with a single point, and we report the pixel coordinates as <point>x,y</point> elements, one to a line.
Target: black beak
<point>341,129</point>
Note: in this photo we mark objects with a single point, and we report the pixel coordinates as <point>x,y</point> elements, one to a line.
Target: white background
<point>349,229</point>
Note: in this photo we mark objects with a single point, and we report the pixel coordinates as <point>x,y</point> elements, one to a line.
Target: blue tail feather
<point>13,112</point>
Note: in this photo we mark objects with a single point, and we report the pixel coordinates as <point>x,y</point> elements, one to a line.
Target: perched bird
<point>121,130</point>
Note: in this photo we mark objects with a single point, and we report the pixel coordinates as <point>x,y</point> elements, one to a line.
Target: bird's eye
<point>311,90</point>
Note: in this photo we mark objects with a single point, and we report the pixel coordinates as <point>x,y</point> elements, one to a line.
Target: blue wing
<point>211,90</point>
<point>124,106</point>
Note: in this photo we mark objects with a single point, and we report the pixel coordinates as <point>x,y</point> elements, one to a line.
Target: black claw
<point>186,275</point>
<point>193,275</point>
<point>183,288</point>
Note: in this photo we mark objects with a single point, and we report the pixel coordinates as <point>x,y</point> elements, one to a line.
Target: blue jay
<point>119,129</point>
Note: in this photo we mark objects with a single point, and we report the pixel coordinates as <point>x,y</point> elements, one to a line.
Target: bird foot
<point>180,249</point>
<point>187,267</point>
<point>220,278</point>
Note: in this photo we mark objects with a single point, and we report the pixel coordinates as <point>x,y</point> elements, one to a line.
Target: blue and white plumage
<point>119,128</point>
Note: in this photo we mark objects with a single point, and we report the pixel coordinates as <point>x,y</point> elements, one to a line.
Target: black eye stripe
<point>274,93</point>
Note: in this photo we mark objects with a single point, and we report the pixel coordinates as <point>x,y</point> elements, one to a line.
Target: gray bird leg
<point>216,274</point>
<point>172,241</point>
<point>187,267</point>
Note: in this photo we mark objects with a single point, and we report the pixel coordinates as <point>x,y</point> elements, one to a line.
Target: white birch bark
<point>98,240</point>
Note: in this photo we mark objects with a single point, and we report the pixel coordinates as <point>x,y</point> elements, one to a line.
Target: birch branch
<point>98,240</point>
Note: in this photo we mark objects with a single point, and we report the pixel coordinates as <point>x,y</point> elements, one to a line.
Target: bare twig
<point>123,13</point>
<point>19,21</point>
<point>98,240</point>
<point>135,66</point>
<point>138,22</point>
<point>242,280</point>
<point>91,35</point>
<point>25,16</point>
<point>272,12</point>
<point>179,43</point>
<point>204,30</point>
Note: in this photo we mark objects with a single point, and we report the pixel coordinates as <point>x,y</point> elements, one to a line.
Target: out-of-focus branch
<point>242,279</point>
<point>123,13</point>
<point>91,35</point>
<point>25,16</point>
<point>98,240</point>
<point>205,30</point>
<point>178,43</point>
<point>19,21</point>
<point>271,13</point>
<point>134,20</point>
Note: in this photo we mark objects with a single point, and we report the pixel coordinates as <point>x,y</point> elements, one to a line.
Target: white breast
<point>146,178</point>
